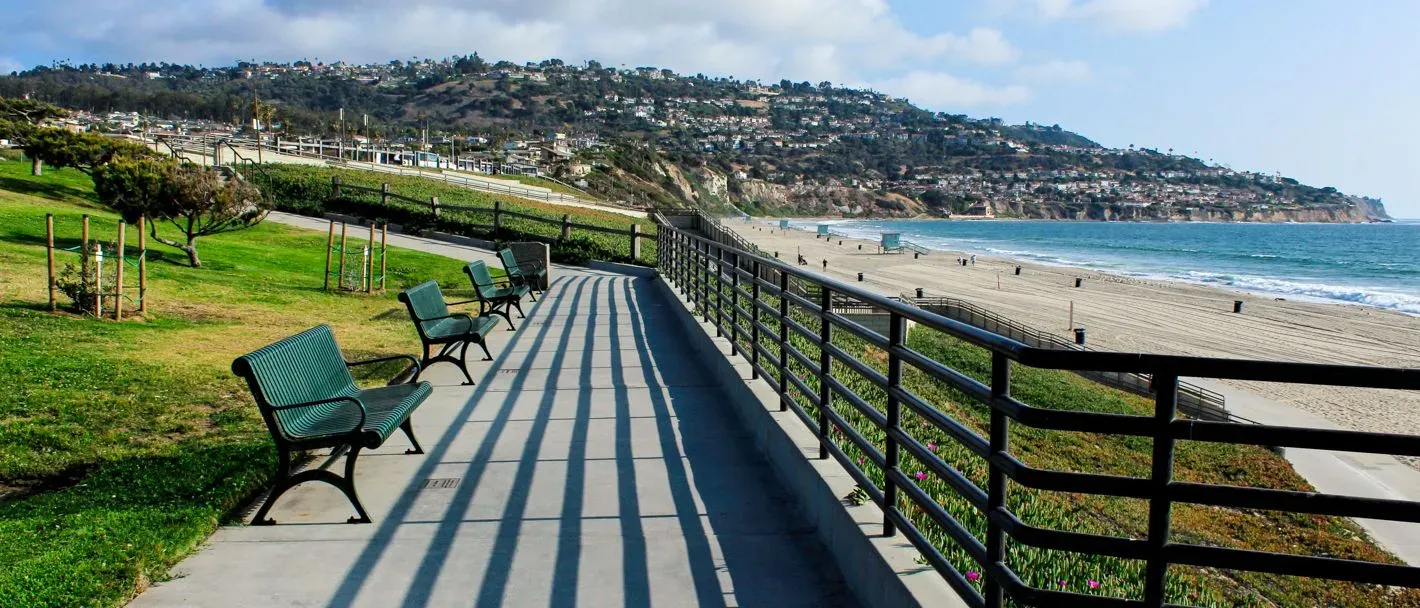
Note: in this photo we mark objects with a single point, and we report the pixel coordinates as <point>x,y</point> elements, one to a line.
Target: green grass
<point>123,445</point>
<point>306,189</point>
<point>1091,453</point>
<point>547,183</point>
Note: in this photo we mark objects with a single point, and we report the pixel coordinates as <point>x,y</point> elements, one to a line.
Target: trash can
<point>1080,336</point>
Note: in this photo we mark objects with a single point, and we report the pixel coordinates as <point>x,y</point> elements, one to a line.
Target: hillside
<point>651,136</point>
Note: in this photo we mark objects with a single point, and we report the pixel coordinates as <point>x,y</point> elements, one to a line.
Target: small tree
<point>20,118</point>
<point>83,151</point>
<point>198,201</point>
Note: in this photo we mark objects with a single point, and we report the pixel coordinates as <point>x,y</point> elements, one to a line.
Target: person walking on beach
<point>973,259</point>
<point>825,264</point>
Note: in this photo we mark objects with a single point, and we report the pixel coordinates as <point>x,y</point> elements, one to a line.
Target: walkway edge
<point>881,571</point>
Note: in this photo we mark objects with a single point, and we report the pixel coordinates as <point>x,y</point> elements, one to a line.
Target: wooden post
<point>1072,314</point>
<point>566,227</point>
<point>335,186</point>
<point>329,244</point>
<point>636,242</point>
<point>142,266</point>
<point>384,195</point>
<point>49,251</point>
<point>370,263</point>
<point>384,248</point>
<point>497,216</point>
<point>340,276</point>
<point>118,274</point>
<point>434,205</point>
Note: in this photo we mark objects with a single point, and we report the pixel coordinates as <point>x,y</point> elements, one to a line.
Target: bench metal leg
<point>285,481</point>
<point>446,354</point>
<point>408,428</point>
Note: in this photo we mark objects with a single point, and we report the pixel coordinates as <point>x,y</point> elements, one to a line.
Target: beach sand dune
<point>1126,314</point>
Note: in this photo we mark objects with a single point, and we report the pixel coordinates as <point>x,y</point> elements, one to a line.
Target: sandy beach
<point>1127,314</point>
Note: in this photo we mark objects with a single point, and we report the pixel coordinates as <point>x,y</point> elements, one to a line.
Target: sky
<point>1327,92</point>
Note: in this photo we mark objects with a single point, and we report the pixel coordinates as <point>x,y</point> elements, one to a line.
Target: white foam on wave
<point>1354,294</point>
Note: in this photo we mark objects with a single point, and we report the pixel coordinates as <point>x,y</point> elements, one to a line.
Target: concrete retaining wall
<point>881,571</point>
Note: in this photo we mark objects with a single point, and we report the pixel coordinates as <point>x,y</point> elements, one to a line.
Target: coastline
<point>1132,314</point>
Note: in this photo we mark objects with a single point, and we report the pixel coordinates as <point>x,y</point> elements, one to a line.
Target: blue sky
<point>1323,91</point>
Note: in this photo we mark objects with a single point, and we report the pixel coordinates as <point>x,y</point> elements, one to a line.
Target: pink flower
<point>924,425</point>
<point>1093,584</point>
<point>973,575</point>
<point>920,476</point>
<point>1061,583</point>
<point>932,446</point>
<point>860,460</point>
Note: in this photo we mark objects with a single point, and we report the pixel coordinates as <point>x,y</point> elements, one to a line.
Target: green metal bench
<point>303,387</point>
<point>495,298</point>
<point>529,273</point>
<point>439,327</point>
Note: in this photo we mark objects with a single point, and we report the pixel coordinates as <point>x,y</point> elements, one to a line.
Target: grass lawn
<point>124,445</point>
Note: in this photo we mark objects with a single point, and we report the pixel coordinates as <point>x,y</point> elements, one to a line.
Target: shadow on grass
<point>44,189</point>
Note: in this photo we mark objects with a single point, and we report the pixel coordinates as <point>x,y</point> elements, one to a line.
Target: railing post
<point>702,277</point>
<point>996,478</point>
<point>1160,507</point>
<point>497,216</point>
<point>754,324</point>
<point>783,339</point>
<point>720,292</point>
<point>335,186</point>
<point>825,365</point>
<point>385,195</point>
<point>566,227</point>
<point>434,205</point>
<point>896,339</point>
<point>735,303</point>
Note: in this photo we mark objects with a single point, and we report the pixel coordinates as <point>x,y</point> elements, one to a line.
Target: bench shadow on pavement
<point>713,459</point>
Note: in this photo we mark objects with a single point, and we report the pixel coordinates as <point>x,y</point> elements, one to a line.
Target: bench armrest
<point>460,302</point>
<point>413,362</point>
<point>528,264</point>
<point>358,426</point>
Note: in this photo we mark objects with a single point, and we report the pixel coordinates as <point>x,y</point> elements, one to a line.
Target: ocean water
<point>1371,264</point>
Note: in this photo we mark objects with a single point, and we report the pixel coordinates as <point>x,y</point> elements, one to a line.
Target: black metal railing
<point>712,277</point>
<point>1193,401</point>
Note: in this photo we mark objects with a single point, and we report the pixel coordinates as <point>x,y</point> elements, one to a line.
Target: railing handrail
<point>711,272</point>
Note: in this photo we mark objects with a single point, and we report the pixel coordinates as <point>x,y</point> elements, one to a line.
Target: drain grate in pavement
<point>439,483</point>
<point>510,370</point>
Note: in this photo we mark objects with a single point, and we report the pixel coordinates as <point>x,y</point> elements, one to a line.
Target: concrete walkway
<point>592,464</point>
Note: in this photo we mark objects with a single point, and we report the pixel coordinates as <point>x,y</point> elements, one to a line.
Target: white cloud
<point>1057,71</point>
<point>942,91</point>
<point>1125,15</point>
<point>813,40</point>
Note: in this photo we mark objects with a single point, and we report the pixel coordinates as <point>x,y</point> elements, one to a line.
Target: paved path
<point>591,465</point>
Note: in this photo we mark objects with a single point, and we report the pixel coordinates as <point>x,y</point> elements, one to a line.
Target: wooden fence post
<point>335,186</point>
<point>566,227</point>
<point>635,241</point>
<point>497,216</point>
<point>142,265</point>
<point>384,248</point>
<point>370,262</point>
<point>384,195</point>
<point>329,244</point>
<point>118,274</point>
<point>49,251</point>
<point>340,277</point>
<point>434,205</point>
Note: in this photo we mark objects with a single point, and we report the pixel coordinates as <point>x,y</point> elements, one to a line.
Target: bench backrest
<point>302,368</point>
<point>425,301</point>
<point>510,263</point>
<point>482,279</point>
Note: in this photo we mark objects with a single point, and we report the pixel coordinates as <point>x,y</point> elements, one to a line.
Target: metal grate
<point>440,483</point>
